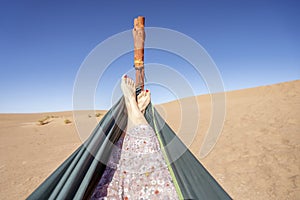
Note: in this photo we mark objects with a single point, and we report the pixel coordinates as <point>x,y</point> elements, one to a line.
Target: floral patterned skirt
<point>136,169</point>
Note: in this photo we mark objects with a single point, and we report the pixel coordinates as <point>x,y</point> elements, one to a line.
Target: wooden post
<point>139,40</point>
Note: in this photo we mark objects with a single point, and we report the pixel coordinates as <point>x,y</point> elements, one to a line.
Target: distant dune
<point>257,155</point>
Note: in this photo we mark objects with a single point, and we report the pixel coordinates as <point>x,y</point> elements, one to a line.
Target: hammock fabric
<point>77,177</point>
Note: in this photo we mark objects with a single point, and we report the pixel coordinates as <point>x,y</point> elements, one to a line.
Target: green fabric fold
<point>77,177</point>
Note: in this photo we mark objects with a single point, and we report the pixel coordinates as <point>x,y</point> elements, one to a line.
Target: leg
<point>141,171</point>
<point>135,116</point>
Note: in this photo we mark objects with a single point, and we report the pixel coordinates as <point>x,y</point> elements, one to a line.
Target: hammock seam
<point>177,188</point>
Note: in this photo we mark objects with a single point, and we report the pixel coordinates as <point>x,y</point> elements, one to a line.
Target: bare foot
<point>128,89</point>
<point>135,116</point>
<point>143,100</point>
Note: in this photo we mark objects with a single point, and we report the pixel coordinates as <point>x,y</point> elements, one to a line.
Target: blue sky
<point>43,44</point>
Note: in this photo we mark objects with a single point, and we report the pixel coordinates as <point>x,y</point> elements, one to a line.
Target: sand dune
<point>257,155</point>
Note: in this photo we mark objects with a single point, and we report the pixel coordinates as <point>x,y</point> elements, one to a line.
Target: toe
<point>124,78</point>
<point>129,81</point>
<point>132,83</point>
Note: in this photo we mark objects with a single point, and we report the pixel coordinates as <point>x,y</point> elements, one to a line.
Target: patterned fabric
<point>136,169</point>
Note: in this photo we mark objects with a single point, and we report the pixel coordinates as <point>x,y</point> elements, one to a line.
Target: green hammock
<point>78,176</point>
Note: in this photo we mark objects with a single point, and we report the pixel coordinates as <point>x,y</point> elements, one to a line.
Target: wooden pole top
<point>138,33</point>
<point>139,22</point>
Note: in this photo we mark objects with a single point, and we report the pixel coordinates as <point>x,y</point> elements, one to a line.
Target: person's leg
<point>143,100</point>
<point>135,116</point>
<point>141,160</point>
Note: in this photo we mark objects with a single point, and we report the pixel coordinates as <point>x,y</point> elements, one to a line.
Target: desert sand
<point>257,155</point>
